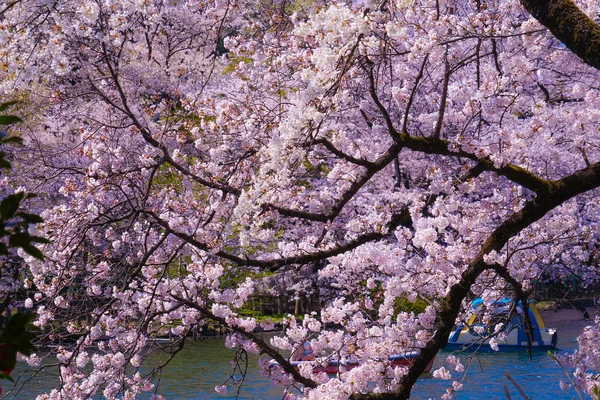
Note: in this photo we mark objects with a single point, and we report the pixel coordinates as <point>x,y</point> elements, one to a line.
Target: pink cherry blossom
<point>386,161</point>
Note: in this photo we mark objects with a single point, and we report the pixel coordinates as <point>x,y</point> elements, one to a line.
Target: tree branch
<point>401,219</point>
<point>284,363</point>
<point>570,25</point>
<point>358,161</point>
<point>560,191</point>
<point>513,172</point>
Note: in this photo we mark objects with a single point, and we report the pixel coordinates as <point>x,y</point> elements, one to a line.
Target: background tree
<point>415,150</point>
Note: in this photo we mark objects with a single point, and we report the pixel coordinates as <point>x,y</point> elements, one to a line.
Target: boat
<point>333,366</point>
<point>474,334</point>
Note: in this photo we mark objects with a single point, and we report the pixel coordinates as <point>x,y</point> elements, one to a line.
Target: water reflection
<point>192,374</point>
<point>200,367</point>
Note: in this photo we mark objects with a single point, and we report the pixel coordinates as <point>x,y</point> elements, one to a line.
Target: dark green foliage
<point>4,139</point>
<point>9,119</point>
<point>18,332</point>
<point>14,226</point>
<point>17,338</point>
<point>402,304</point>
<point>5,106</point>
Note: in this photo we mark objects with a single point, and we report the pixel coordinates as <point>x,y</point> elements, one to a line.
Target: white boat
<point>474,334</point>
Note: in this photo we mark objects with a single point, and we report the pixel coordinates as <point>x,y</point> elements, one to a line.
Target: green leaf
<point>4,106</point>
<point>19,239</point>
<point>6,376</point>
<point>10,205</point>
<point>33,251</point>
<point>13,139</point>
<point>4,163</point>
<point>18,333</point>
<point>39,239</point>
<point>9,119</point>
<point>30,218</point>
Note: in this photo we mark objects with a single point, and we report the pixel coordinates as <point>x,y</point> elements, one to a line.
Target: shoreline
<point>569,323</point>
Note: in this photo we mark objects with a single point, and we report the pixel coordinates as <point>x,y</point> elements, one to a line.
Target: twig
<point>507,393</point>
<point>560,364</point>
<point>511,379</point>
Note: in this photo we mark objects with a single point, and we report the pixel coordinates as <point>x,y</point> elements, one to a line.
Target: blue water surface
<point>486,377</point>
<point>202,365</point>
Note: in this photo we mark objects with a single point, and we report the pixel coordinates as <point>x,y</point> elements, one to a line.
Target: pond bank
<point>569,323</point>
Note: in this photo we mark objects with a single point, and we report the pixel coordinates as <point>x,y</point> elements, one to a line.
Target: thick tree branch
<point>358,161</point>
<point>355,186</point>
<point>513,172</point>
<point>380,106</point>
<point>429,145</point>
<point>570,25</point>
<point>440,121</point>
<point>560,191</point>
<point>521,296</point>
<point>401,219</point>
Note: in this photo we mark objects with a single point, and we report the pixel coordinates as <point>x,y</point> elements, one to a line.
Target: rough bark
<point>556,193</point>
<point>570,25</point>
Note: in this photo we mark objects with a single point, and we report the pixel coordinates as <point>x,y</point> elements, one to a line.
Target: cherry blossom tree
<point>432,150</point>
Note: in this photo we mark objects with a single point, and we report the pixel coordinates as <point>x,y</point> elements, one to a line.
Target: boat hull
<point>485,347</point>
<point>512,336</point>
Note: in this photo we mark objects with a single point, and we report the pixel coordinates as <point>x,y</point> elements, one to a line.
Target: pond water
<point>486,378</point>
<point>205,364</point>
